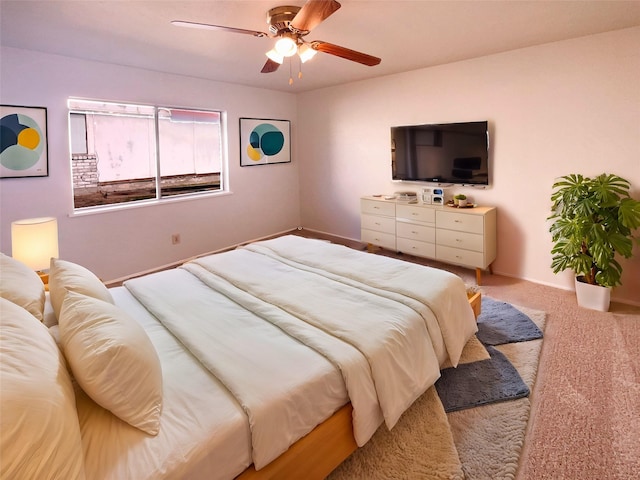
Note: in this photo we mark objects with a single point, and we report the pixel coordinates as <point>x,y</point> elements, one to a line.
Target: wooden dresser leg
<point>478,276</point>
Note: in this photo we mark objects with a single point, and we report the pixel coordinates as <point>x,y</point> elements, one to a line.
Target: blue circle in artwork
<point>267,139</point>
<point>272,143</point>
<point>21,142</point>
<point>254,139</point>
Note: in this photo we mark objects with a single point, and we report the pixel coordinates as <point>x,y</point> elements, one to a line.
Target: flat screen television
<point>445,153</point>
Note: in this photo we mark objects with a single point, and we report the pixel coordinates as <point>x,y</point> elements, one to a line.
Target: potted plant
<point>593,221</point>
<point>460,199</point>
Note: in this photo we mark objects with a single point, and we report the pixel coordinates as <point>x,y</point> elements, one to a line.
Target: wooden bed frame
<point>315,455</point>
<point>329,444</point>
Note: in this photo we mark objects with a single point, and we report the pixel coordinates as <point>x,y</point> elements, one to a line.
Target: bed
<point>278,357</point>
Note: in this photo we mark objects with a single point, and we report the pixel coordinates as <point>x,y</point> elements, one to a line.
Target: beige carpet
<point>475,444</point>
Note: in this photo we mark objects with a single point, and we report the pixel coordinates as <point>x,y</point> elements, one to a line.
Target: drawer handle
<point>414,232</point>
<point>458,240</point>
<point>459,257</point>
<point>376,208</point>
<point>377,223</point>
<point>458,221</point>
<point>414,214</point>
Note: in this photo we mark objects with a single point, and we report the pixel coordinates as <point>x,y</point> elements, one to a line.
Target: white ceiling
<point>406,34</point>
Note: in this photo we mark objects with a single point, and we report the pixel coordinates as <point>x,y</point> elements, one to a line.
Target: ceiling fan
<point>290,24</point>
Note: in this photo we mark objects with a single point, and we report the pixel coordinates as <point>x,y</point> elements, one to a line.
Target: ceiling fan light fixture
<point>275,56</point>
<point>288,25</point>
<point>305,52</point>
<point>286,46</point>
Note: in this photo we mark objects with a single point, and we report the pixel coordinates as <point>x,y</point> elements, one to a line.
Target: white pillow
<point>22,286</point>
<point>113,360</point>
<point>64,275</point>
<point>39,429</point>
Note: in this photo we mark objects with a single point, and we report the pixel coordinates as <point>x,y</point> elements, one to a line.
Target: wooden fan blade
<point>207,26</point>
<point>347,53</point>
<point>270,66</point>
<point>313,13</point>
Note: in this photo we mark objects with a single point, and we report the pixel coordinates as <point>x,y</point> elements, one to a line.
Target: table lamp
<point>34,241</point>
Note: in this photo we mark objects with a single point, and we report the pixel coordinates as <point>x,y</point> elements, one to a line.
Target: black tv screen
<point>455,153</point>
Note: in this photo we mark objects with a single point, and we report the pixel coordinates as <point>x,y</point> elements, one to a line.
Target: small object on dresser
<point>468,205</point>
<point>460,200</point>
<point>406,196</point>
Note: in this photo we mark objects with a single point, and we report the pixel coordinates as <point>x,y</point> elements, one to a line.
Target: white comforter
<point>371,317</point>
<point>419,287</point>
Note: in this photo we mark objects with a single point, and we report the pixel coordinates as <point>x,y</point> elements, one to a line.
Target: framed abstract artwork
<point>23,142</point>
<point>264,141</point>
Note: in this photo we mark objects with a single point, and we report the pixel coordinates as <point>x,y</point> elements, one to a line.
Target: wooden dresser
<point>460,236</point>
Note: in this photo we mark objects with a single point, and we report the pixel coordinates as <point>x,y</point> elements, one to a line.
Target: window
<point>130,153</point>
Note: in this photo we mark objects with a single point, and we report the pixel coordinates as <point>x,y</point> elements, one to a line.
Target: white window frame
<point>79,106</point>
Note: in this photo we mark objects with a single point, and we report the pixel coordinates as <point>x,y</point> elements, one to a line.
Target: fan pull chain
<point>290,75</point>
<point>300,69</point>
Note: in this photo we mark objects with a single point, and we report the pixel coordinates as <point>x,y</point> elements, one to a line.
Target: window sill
<point>80,212</point>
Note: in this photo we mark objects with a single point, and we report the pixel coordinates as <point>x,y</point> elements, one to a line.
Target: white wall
<point>265,199</point>
<point>560,108</point>
<point>555,109</point>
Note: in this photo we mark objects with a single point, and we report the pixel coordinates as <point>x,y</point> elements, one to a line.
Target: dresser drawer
<point>412,231</point>
<point>417,248</point>
<point>460,256</point>
<point>418,214</point>
<point>375,207</point>
<point>377,223</point>
<point>463,222</point>
<point>385,240</point>
<point>467,241</point>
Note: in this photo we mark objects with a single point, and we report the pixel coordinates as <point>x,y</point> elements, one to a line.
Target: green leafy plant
<point>593,220</point>
<point>460,196</point>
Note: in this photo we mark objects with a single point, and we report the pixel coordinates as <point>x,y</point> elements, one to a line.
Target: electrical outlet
<point>175,239</point>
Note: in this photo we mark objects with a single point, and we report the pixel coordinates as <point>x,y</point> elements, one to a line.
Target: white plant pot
<point>593,297</point>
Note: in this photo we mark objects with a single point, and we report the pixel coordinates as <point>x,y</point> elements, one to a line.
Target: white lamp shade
<point>306,52</point>
<point>286,47</point>
<point>275,56</point>
<point>34,241</point>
